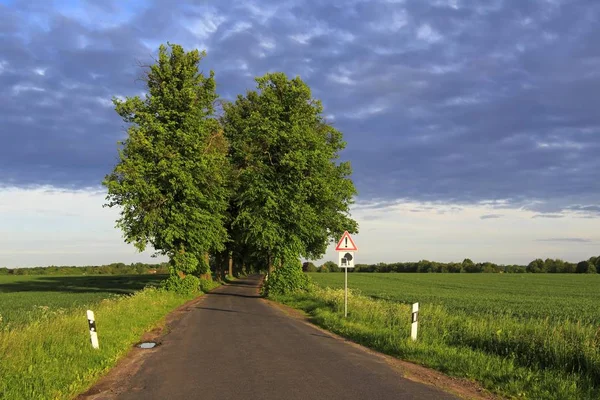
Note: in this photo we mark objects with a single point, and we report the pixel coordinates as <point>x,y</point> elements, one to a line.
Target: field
<point>44,329</point>
<point>555,296</point>
<point>521,336</point>
<point>24,299</point>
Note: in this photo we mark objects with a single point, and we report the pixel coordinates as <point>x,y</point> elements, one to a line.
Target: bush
<point>332,267</point>
<point>309,267</point>
<point>185,262</point>
<point>312,268</point>
<point>286,279</point>
<point>206,285</point>
<point>324,268</point>
<point>188,285</point>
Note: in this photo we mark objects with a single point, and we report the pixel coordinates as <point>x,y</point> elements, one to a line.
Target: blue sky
<point>472,127</point>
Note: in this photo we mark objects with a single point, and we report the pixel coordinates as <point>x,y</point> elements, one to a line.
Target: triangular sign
<point>346,243</point>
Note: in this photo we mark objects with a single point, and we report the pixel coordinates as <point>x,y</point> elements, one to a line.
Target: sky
<point>473,127</point>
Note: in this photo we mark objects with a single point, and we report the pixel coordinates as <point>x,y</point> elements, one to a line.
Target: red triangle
<point>344,245</point>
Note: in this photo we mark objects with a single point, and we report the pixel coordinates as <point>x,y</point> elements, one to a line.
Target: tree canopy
<point>170,181</point>
<point>264,179</point>
<point>292,196</point>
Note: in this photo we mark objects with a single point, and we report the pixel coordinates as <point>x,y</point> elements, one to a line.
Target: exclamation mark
<point>346,242</point>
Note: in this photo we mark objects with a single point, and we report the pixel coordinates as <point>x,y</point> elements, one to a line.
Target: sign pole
<point>346,245</point>
<point>345,292</point>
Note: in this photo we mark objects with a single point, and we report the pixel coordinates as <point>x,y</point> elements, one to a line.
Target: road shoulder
<point>417,373</point>
<point>118,378</point>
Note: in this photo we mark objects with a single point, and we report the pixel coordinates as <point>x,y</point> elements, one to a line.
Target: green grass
<point>556,296</point>
<point>47,354</point>
<point>520,337</point>
<point>24,299</point>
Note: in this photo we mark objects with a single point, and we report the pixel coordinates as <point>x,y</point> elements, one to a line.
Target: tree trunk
<point>270,264</point>
<point>207,275</point>
<point>230,257</point>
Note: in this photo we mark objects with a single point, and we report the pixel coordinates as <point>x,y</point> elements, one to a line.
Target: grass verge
<point>534,358</point>
<point>53,358</point>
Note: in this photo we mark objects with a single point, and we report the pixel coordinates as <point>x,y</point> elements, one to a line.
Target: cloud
<point>50,226</point>
<point>552,216</point>
<point>491,216</point>
<point>590,211</point>
<point>453,102</point>
<point>566,240</point>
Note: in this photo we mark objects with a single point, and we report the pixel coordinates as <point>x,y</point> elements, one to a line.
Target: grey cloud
<point>501,107</point>
<point>588,209</point>
<point>551,216</point>
<point>491,216</point>
<point>565,240</point>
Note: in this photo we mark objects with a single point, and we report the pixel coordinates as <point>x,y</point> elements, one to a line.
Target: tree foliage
<point>286,279</point>
<point>170,181</point>
<point>292,196</point>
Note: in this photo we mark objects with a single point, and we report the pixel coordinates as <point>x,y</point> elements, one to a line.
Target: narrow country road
<point>233,345</point>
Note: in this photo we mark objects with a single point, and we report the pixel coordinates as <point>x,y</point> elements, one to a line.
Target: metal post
<point>346,292</point>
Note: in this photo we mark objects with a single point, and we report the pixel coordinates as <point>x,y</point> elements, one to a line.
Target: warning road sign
<point>346,260</point>
<point>346,243</point>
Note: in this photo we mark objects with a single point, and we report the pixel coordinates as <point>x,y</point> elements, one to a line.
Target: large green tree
<point>171,178</point>
<point>293,194</point>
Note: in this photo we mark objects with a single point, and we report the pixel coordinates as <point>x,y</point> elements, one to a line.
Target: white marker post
<point>346,249</point>
<point>93,332</point>
<point>415,321</point>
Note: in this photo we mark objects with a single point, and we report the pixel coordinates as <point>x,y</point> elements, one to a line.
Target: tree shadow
<point>248,296</point>
<point>117,284</point>
<point>217,309</point>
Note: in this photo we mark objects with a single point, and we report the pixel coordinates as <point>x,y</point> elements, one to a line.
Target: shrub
<point>286,279</point>
<point>185,262</point>
<point>324,268</point>
<point>188,285</point>
<point>309,267</point>
<point>312,268</point>
<point>332,266</point>
<point>206,285</point>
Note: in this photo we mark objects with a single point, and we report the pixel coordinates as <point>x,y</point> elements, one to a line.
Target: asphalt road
<point>233,345</point>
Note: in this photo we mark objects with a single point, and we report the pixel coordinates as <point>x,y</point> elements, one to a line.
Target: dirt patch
<point>462,388</point>
<point>116,380</point>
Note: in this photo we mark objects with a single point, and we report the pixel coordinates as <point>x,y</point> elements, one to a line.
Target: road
<point>234,345</point>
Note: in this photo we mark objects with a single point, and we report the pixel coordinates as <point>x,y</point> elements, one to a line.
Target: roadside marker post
<point>93,332</point>
<point>415,321</point>
<point>346,249</point>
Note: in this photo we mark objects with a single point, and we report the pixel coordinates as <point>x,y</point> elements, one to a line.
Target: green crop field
<point>518,335</point>
<point>554,296</point>
<point>24,299</point>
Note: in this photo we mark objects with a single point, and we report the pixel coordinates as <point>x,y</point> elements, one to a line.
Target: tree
<point>309,267</point>
<point>170,178</point>
<point>332,266</point>
<point>324,268</point>
<point>585,267</point>
<point>536,265</point>
<point>292,196</point>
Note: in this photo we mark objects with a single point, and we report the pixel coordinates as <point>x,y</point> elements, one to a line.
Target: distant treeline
<point>590,266</point>
<point>110,269</point>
